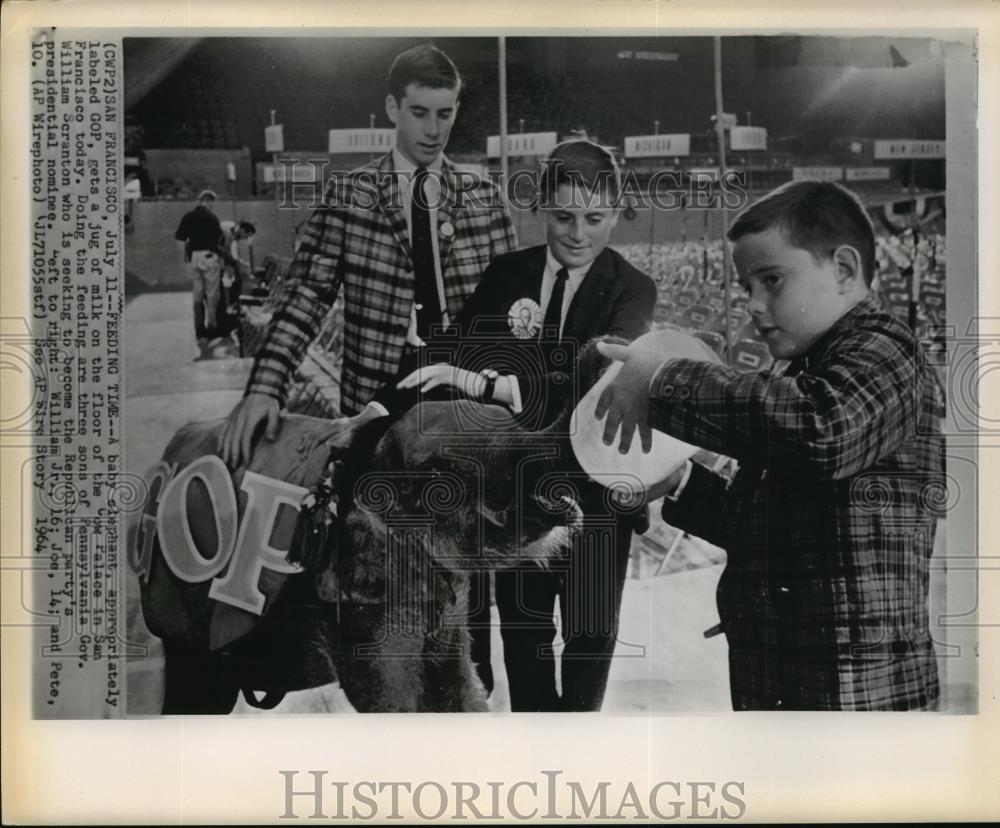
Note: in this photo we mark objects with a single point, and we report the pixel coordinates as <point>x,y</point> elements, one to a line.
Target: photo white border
<point>795,766</point>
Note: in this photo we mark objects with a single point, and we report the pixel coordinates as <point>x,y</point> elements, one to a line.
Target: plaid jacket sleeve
<point>503,239</point>
<point>859,404</point>
<point>313,283</point>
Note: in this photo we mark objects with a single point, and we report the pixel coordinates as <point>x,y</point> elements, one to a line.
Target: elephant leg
<point>197,682</point>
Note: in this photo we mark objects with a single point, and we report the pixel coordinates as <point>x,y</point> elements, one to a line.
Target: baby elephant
<point>451,487</point>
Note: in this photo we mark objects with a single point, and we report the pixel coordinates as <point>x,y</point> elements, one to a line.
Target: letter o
<point>442,796</point>
<point>173,525</point>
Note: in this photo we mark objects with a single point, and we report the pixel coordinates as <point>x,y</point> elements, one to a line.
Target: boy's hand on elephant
<point>240,434</point>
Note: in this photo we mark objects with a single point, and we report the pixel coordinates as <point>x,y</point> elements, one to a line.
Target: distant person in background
<point>132,194</point>
<point>230,178</point>
<point>234,235</point>
<point>200,233</point>
<point>235,268</point>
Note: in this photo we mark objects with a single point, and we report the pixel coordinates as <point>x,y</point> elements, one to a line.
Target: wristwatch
<point>490,376</point>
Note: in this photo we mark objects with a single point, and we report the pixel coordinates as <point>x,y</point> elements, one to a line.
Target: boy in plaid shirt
<point>829,523</point>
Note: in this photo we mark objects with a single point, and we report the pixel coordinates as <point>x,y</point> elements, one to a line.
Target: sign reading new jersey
<point>909,149</point>
<point>274,138</point>
<point>650,146</point>
<point>817,173</point>
<point>347,141</point>
<point>523,143</point>
<point>748,138</point>
<point>866,173</point>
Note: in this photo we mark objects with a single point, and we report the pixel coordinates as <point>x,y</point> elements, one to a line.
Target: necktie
<point>553,313</point>
<point>794,367</point>
<point>425,279</point>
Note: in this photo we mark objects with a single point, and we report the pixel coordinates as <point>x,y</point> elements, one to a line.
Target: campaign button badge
<point>525,318</point>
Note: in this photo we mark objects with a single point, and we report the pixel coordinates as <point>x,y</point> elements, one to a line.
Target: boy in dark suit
<point>829,524</point>
<point>515,343</point>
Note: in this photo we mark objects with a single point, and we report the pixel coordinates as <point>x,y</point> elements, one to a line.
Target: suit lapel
<point>589,301</point>
<point>390,203</point>
<point>531,277</point>
<point>522,279</point>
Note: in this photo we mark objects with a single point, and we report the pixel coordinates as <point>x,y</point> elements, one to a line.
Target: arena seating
<point>898,257</point>
<point>715,341</point>
<point>316,390</point>
<point>698,317</point>
<point>691,296</point>
<point>189,109</point>
<point>258,306</point>
<point>751,355</point>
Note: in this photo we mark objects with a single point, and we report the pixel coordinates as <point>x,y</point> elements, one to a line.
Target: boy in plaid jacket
<point>362,241</point>
<point>829,523</point>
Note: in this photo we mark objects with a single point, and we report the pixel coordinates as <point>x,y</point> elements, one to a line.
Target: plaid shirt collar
<point>816,354</point>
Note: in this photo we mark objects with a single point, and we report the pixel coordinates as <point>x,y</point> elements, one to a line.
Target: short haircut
<point>582,162</point>
<point>247,228</point>
<point>817,216</point>
<point>424,65</point>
